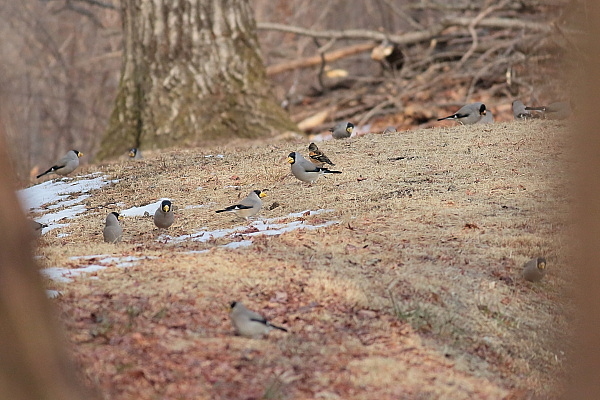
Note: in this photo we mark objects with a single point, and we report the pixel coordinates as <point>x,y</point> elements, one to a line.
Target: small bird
<point>135,153</point>
<point>164,217</point>
<point>390,129</point>
<point>113,232</point>
<point>342,130</point>
<point>36,227</point>
<point>559,110</point>
<point>65,165</point>
<point>519,110</point>
<point>306,171</point>
<point>317,157</point>
<point>534,270</point>
<point>488,118</point>
<point>469,114</point>
<point>248,323</point>
<point>249,206</point>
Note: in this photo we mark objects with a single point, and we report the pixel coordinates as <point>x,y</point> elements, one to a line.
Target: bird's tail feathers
<point>44,173</point>
<point>276,327</point>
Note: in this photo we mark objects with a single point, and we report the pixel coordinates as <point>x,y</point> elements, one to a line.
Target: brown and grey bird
<point>248,323</point>
<point>306,171</point>
<point>469,114</point>
<point>164,216</point>
<point>534,270</point>
<point>519,110</point>
<point>36,228</point>
<point>113,232</point>
<point>65,165</point>
<point>342,130</point>
<point>559,110</point>
<point>249,206</point>
<point>135,153</point>
<point>317,157</point>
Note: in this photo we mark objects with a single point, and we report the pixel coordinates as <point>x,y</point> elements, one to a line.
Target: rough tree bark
<point>33,360</point>
<point>191,71</point>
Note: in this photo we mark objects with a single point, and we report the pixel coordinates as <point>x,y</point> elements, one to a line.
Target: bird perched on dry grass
<point>534,270</point>
<point>248,323</point>
<point>113,232</point>
<point>559,110</point>
<point>342,130</point>
<point>248,207</point>
<point>317,157</point>
<point>164,217</point>
<point>469,114</point>
<point>306,171</point>
<point>135,154</point>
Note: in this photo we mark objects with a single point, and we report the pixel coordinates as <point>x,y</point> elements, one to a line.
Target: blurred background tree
<point>192,71</point>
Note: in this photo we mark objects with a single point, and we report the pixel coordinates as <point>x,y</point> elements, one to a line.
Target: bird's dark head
<point>79,154</point>
<point>349,127</point>
<point>541,263</point>
<point>313,147</point>
<point>482,109</point>
<point>165,205</point>
<point>291,157</point>
<point>133,152</point>
<point>233,303</point>
<point>117,215</point>
<point>260,193</point>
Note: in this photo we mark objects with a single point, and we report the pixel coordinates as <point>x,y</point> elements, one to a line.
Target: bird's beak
<point>262,194</point>
<point>542,265</point>
<point>166,208</point>
<point>290,160</point>
<point>131,154</point>
<point>80,154</point>
<point>120,217</point>
<point>349,129</point>
<point>483,113</point>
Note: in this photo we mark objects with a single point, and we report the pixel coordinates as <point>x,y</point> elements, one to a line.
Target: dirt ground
<point>414,292</point>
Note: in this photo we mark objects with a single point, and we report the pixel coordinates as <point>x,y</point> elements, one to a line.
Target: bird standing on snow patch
<point>317,157</point>
<point>164,217</point>
<point>65,165</point>
<point>249,206</point>
<point>534,270</point>
<point>306,171</point>
<point>248,323</point>
<point>342,130</point>
<point>469,114</point>
<point>113,232</point>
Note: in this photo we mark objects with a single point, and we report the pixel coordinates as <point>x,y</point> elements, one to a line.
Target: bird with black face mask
<point>342,130</point>
<point>135,154</point>
<point>67,164</point>
<point>248,323</point>
<point>534,270</point>
<point>468,115</point>
<point>306,171</point>
<point>164,216</point>
<point>113,232</point>
<point>248,207</point>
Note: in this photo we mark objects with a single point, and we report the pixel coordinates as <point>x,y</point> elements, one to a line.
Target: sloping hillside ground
<point>409,289</point>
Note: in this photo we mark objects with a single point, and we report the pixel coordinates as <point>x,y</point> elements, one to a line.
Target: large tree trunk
<point>191,71</point>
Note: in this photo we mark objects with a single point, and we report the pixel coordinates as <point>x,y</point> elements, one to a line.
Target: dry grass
<point>414,294</point>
